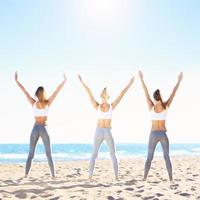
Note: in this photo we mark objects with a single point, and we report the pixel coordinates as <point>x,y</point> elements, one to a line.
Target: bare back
<point>158,124</point>
<point>40,106</point>
<point>104,123</point>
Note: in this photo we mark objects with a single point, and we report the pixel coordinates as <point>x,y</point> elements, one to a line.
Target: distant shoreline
<point>17,153</point>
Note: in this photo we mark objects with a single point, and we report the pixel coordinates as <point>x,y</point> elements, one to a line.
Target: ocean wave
<point>180,152</point>
<point>185,152</point>
<point>74,156</point>
<point>56,156</point>
<point>18,153</point>
<point>196,150</point>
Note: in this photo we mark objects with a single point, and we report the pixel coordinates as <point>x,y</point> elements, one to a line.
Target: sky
<point>107,42</point>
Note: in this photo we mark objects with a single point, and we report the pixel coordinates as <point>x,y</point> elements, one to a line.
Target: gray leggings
<point>154,138</point>
<point>102,134</point>
<point>39,131</point>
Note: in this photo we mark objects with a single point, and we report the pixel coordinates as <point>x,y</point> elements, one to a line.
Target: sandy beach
<point>71,181</point>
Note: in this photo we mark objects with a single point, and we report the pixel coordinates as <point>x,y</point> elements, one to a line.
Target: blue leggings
<point>154,138</point>
<point>39,131</point>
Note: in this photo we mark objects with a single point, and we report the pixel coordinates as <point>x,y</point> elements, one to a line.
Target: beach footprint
<point>155,182</point>
<point>110,198</point>
<point>33,197</point>
<point>138,195</point>
<point>193,188</point>
<point>190,179</point>
<point>148,197</point>
<point>129,189</point>
<point>54,198</point>
<point>185,194</point>
<point>46,195</point>
<point>21,195</point>
<point>140,191</point>
<point>131,182</point>
<point>159,194</point>
<point>9,181</point>
<point>140,186</point>
<point>77,171</point>
<point>174,186</point>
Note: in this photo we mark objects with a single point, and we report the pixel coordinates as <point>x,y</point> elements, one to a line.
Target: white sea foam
<point>85,153</point>
<point>196,150</point>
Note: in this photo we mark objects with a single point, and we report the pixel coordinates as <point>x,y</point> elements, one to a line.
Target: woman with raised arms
<point>158,109</point>
<point>40,107</point>
<point>104,119</point>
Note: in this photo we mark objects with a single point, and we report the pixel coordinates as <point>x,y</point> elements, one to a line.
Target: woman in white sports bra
<point>103,130</point>
<point>40,111</point>
<point>158,110</point>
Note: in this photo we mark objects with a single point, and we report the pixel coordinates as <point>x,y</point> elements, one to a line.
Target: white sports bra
<point>158,115</point>
<point>40,112</point>
<point>104,115</point>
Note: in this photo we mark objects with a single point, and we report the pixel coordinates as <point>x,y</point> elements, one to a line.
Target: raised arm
<point>53,96</point>
<point>91,97</point>
<point>169,101</point>
<point>30,99</point>
<point>123,92</point>
<point>149,101</point>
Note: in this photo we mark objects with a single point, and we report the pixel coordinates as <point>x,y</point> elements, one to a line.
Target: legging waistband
<point>104,128</point>
<point>158,131</point>
<point>41,125</point>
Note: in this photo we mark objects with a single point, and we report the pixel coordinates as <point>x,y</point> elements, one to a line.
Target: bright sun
<point>103,8</point>
<point>102,12</point>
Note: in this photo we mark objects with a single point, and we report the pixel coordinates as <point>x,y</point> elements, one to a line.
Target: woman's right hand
<point>65,77</point>
<point>180,76</point>
<point>16,76</point>
<point>131,81</point>
<point>80,78</point>
<point>140,75</point>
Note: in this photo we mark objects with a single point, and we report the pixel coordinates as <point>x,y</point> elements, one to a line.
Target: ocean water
<point>17,153</point>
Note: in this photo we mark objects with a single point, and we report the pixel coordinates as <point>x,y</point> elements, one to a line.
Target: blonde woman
<point>40,107</point>
<point>104,119</point>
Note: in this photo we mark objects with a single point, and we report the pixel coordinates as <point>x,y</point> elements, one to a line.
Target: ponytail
<point>157,97</point>
<point>40,94</point>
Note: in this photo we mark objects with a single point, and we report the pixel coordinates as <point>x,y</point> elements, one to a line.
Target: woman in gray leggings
<point>40,110</point>
<point>158,110</point>
<point>103,130</point>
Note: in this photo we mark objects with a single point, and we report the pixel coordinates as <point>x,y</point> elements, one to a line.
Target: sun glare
<point>102,12</point>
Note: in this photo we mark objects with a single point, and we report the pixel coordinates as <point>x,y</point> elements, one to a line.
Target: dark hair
<point>40,94</point>
<point>157,97</point>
